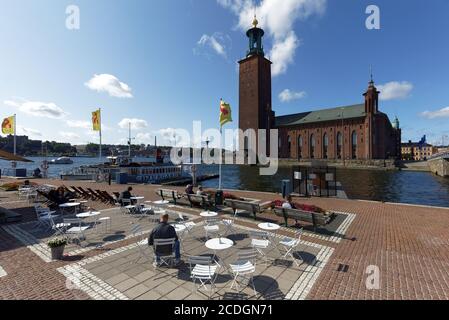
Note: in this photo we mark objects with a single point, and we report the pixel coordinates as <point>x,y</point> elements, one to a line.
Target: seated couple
<point>165,231</point>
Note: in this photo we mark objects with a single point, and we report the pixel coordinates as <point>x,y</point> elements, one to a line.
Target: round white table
<point>218,244</point>
<point>179,228</point>
<point>208,214</point>
<point>161,202</point>
<point>88,214</point>
<point>68,205</point>
<point>269,226</point>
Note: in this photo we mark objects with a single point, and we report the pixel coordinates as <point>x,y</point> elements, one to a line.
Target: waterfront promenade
<point>408,245</point>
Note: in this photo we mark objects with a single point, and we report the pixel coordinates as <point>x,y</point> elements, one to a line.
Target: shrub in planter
<point>57,248</point>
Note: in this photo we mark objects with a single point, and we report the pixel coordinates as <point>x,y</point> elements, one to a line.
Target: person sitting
<point>26,183</point>
<point>60,196</point>
<point>37,173</point>
<point>125,195</point>
<point>189,189</point>
<point>288,204</point>
<point>200,191</point>
<point>165,231</point>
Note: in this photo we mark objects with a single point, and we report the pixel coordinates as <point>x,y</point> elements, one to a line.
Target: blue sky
<point>166,63</point>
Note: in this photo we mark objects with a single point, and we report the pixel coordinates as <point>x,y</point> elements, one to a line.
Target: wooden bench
<point>203,201</point>
<point>169,195</point>
<point>316,219</point>
<point>252,207</point>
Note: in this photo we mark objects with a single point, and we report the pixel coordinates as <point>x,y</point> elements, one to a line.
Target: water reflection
<point>389,186</point>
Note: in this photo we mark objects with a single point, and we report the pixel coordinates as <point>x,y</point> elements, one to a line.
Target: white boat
<point>61,160</point>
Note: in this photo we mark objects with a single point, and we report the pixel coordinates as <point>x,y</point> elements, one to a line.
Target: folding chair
<point>203,269</point>
<point>76,231</point>
<point>43,217</point>
<point>212,226</point>
<point>161,251</point>
<point>260,242</point>
<point>142,243</point>
<point>291,244</point>
<point>243,270</point>
<point>188,224</point>
<point>229,226</point>
<point>59,228</point>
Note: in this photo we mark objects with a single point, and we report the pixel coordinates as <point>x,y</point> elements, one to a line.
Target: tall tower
<point>255,110</point>
<point>371,109</point>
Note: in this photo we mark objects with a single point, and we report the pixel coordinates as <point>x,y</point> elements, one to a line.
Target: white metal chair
<point>142,243</point>
<point>59,228</point>
<point>243,270</point>
<point>229,226</point>
<point>104,221</point>
<point>260,242</point>
<point>212,226</point>
<point>204,270</point>
<point>289,245</point>
<point>75,230</point>
<point>43,217</point>
<point>163,251</point>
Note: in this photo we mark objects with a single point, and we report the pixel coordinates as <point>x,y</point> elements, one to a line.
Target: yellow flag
<point>96,120</point>
<point>225,113</point>
<point>8,125</point>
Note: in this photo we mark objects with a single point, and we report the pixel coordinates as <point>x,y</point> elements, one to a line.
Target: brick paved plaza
<point>409,246</point>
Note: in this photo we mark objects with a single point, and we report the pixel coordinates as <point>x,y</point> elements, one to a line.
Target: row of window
<point>325,144</point>
<point>136,171</point>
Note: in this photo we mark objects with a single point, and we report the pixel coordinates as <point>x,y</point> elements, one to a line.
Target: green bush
<point>54,243</point>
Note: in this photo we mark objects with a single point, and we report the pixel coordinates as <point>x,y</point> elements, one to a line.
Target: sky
<point>162,64</point>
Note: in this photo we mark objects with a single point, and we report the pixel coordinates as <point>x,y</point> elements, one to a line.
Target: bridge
<point>439,164</point>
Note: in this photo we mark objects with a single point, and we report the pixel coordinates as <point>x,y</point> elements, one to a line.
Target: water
<point>390,186</point>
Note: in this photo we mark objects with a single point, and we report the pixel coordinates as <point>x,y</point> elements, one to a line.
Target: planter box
<point>57,253</point>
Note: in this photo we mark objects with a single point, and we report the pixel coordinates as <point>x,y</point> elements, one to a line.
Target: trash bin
<point>219,198</point>
<point>286,188</point>
<point>122,178</point>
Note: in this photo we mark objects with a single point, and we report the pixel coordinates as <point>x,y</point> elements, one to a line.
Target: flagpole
<point>15,125</point>
<point>221,160</point>
<point>100,133</point>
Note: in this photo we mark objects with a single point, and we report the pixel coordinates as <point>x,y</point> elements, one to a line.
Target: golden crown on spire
<point>255,22</point>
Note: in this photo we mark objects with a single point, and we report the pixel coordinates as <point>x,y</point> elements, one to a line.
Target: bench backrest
<point>306,216</point>
<point>166,193</point>
<point>242,205</point>
<point>197,198</point>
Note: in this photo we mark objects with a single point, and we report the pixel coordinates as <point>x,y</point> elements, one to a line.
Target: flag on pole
<point>225,113</point>
<point>8,125</point>
<point>96,120</point>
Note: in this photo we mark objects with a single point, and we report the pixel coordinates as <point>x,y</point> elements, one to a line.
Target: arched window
<point>354,145</point>
<point>299,147</point>
<point>289,144</point>
<point>312,146</point>
<point>325,145</point>
<point>339,145</point>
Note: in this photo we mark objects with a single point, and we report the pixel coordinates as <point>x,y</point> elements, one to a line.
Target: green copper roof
<point>345,112</point>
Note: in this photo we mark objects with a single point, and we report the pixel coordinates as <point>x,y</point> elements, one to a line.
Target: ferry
<point>123,169</point>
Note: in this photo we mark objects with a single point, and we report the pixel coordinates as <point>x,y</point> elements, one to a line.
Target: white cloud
<point>216,42</point>
<point>136,124</point>
<point>110,84</point>
<point>79,124</point>
<point>37,109</point>
<point>395,90</point>
<point>143,138</point>
<point>442,113</point>
<point>277,17</point>
<point>287,95</point>
<point>32,133</point>
<point>69,136</point>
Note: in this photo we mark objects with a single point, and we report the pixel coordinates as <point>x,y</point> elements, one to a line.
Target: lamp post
<point>343,137</point>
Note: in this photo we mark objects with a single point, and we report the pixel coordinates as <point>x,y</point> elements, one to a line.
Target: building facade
<point>358,132</point>
<point>415,151</point>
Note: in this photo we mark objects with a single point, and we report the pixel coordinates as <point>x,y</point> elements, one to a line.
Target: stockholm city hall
<point>354,132</point>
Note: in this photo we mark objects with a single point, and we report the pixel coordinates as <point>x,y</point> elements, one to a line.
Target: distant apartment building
<point>414,151</point>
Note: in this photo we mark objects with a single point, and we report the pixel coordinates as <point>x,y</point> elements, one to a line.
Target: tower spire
<point>371,75</point>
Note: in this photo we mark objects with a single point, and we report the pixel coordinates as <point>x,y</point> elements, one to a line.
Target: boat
<point>61,160</point>
<point>123,169</point>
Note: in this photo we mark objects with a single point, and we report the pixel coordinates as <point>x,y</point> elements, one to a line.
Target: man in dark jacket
<point>165,231</point>
<point>125,194</point>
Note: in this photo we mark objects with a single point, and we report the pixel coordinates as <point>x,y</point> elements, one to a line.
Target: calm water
<point>392,186</point>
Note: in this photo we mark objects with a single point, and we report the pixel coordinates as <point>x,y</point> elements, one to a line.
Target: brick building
<point>359,131</point>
